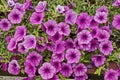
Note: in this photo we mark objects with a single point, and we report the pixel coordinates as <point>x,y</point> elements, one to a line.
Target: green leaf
<point>98,71</point>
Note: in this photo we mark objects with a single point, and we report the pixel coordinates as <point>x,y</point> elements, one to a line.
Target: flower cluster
<point>65,51</point>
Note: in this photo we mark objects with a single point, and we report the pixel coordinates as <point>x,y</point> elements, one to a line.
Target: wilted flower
<point>60,9</point>
<point>46,71</point>
<point>14,67</point>
<point>5,25</point>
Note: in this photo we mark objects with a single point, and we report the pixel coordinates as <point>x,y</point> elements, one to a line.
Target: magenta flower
<point>70,17</point>
<point>40,47</point>
<point>22,49</point>
<point>56,37</point>
<point>81,77</point>
<point>103,35</point>
<point>41,6</point>
<point>100,17</point>
<point>69,43</point>
<point>80,69</point>
<point>106,47</point>
<point>29,41</point>
<point>30,69</point>
<point>66,70</point>
<point>28,5</point>
<point>85,47</point>
<point>59,47</point>
<point>83,20</point>
<point>64,29</point>
<point>76,43</point>
<point>20,8</point>
<point>56,65</point>
<point>84,37</point>
<point>12,44</point>
<point>50,46</point>
<point>60,9</point>
<point>94,44</point>
<point>15,16</point>
<point>98,60</point>
<point>13,67</point>
<point>58,57</point>
<point>102,9</point>
<point>94,32</point>
<point>111,75</point>
<point>55,77</point>
<point>107,28</point>
<point>8,38</point>
<point>93,23</point>
<point>5,25</point>
<point>34,58</point>
<point>51,27</point>
<point>20,33</point>
<point>116,21</point>
<point>72,55</point>
<point>46,71</point>
<point>4,66</point>
<point>116,3</point>
<point>10,3</point>
<point>36,18</point>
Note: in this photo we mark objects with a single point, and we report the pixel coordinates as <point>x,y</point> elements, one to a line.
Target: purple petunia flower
<point>84,37</point>
<point>111,75</point>
<point>70,17</point>
<point>93,23</point>
<point>85,47</point>
<point>28,5</point>
<point>83,20</point>
<point>14,67</point>
<point>66,70</point>
<point>50,46</point>
<point>102,9</point>
<point>60,9</point>
<point>22,49</point>
<point>8,38</point>
<point>106,47</point>
<point>46,71</point>
<point>20,8</point>
<point>59,47</point>
<point>12,44</point>
<point>41,6</point>
<point>55,77</point>
<point>116,3</point>
<point>5,25</point>
<point>80,69</point>
<point>81,77</point>
<point>34,58</point>
<point>103,35</point>
<point>29,41</point>
<point>94,32</point>
<point>116,21</point>
<point>40,47</point>
<point>64,29</point>
<point>118,72</point>
<point>94,44</point>
<point>56,65</point>
<point>72,55</point>
<point>4,66</point>
<point>98,60</point>
<point>100,17</point>
<point>56,37</point>
<point>51,27</point>
<point>107,28</point>
<point>69,43</point>
<point>10,3</point>
<point>20,33</point>
<point>15,16</point>
<point>30,69</point>
<point>36,18</point>
<point>76,43</point>
<point>58,57</point>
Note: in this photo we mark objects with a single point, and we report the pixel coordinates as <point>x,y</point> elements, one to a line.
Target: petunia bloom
<point>15,16</point>
<point>64,29</point>
<point>116,21</point>
<point>93,23</point>
<point>98,60</point>
<point>5,25</point>
<point>106,47</point>
<point>36,18</point>
<point>111,75</point>
<point>70,17</point>
<point>76,43</point>
<point>66,70</point>
<point>22,49</point>
<point>60,9</point>
<point>56,65</point>
<point>41,6</point>
<point>83,20</point>
<point>58,57</point>
<point>46,71</point>
<point>94,44</point>
<point>81,77</point>
<point>51,27</point>
<point>116,3</point>
<point>56,37</point>
<point>85,47</point>
<point>55,77</point>
<point>34,58</point>
<point>100,17</point>
<point>72,55</point>
<point>102,9</point>
<point>14,67</point>
<point>84,37</point>
<point>30,69</point>
<point>69,43</point>
<point>12,44</point>
<point>20,33</point>
<point>10,3</point>
<point>29,41</point>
